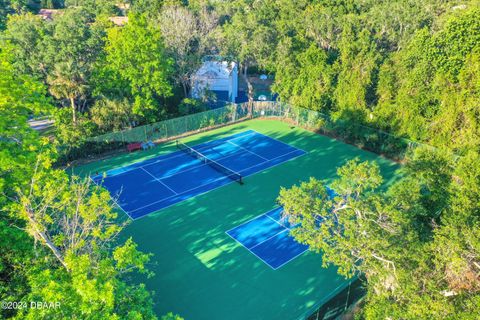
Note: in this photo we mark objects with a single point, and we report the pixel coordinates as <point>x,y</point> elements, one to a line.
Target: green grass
<point>200,272</point>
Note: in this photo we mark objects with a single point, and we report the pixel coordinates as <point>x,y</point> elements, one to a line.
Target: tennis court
<point>201,272</point>
<point>157,183</point>
<point>267,237</point>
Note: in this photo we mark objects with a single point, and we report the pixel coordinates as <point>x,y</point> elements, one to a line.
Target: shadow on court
<point>201,272</point>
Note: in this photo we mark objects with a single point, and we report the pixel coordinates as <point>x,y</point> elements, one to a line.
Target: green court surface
<point>202,273</point>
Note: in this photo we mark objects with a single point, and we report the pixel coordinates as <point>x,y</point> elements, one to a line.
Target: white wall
<point>219,76</point>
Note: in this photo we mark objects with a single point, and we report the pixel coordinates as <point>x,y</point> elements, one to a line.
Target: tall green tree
<point>94,7</point>
<point>415,267</point>
<point>427,94</point>
<point>186,36</point>
<point>249,36</point>
<point>25,35</point>
<point>309,84</point>
<point>20,97</point>
<point>72,49</point>
<point>357,63</point>
<point>58,234</point>
<point>136,66</point>
<point>76,222</point>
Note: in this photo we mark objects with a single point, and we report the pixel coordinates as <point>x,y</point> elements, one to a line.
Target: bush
<point>189,106</point>
<point>86,150</point>
<point>112,115</point>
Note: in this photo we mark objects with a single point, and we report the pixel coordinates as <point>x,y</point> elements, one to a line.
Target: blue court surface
<point>154,184</point>
<point>267,237</point>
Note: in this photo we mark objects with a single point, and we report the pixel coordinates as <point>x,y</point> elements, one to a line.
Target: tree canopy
<point>408,68</point>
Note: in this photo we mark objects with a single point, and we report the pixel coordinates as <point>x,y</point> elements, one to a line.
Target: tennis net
<point>212,163</point>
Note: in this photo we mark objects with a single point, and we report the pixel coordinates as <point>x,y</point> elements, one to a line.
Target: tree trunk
<point>39,235</point>
<point>184,86</point>
<point>74,111</point>
<point>53,248</point>
<point>249,87</point>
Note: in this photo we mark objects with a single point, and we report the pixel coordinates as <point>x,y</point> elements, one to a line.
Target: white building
<point>220,77</point>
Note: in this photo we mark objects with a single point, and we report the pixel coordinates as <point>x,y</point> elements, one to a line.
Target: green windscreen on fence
<point>177,126</point>
<point>351,132</point>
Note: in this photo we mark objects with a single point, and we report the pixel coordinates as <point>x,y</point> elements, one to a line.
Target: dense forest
<point>407,67</point>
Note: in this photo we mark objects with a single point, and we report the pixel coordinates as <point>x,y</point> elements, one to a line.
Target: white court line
<point>195,166</point>
<point>134,164</point>
<point>296,256</point>
<point>251,252</point>
<point>277,222</point>
<point>114,201</point>
<point>285,229</point>
<point>239,146</point>
<point>274,268</point>
<point>253,132</point>
<point>276,140</point>
<point>263,214</point>
<point>159,181</point>
<point>256,217</point>
<point>258,164</point>
<point>165,157</point>
<point>203,185</point>
<point>245,222</point>
<point>180,172</point>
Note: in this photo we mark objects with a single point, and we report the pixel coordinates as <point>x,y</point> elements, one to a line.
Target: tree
<point>393,23</point>
<point>25,35</point>
<point>136,64</point>
<point>76,259</point>
<point>323,25</point>
<point>112,115</point>
<point>310,83</point>
<point>430,99</point>
<point>8,7</point>
<point>249,36</point>
<point>414,267</point>
<point>76,222</point>
<point>94,7</point>
<point>357,63</point>
<point>354,226</point>
<point>19,98</point>
<point>456,245</point>
<point>147,8</point>
<point>71,50</point>
<point>185,35</point>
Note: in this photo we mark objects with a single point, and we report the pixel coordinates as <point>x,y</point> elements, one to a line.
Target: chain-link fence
<point>176,127</point>
<point>365,137</point>
<point>351,132</point>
